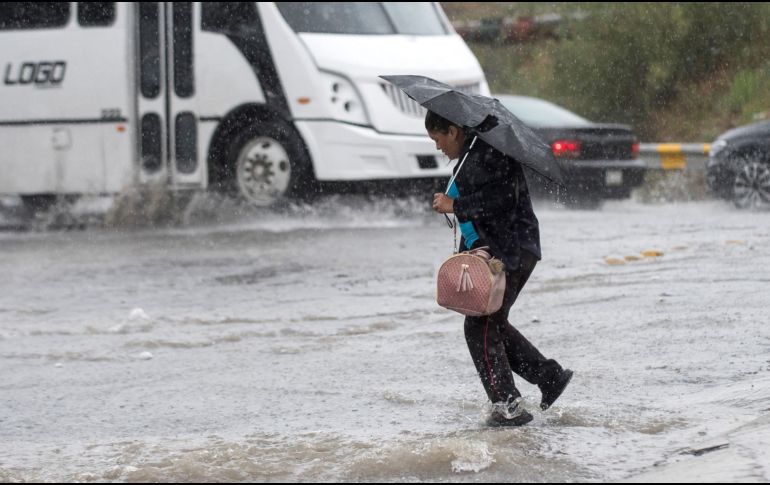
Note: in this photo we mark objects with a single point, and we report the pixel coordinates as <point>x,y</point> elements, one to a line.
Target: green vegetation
<point>675,71</point>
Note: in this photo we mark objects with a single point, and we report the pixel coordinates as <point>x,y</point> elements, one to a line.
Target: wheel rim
<point>263,171</point>
<point>752,186</point>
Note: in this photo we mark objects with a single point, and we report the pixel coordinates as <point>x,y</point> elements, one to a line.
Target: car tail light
<point>635,150</point>
<point>566,148</point>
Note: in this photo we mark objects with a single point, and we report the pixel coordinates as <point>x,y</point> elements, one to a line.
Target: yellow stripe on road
<point>652,253</point>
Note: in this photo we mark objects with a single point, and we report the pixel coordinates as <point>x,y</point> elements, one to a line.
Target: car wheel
<point>38,203</point>
<point>751,187</point>
<point>267,164</point>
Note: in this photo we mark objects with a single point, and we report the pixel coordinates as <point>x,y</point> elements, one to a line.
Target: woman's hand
<point>443,204</point>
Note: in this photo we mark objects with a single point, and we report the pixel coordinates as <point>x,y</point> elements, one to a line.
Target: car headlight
<point>344,100</point>
<point>717,147</point>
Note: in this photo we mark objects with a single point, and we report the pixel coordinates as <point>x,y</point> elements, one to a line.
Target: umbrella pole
<point>454,176</point>
<point>452,180</point>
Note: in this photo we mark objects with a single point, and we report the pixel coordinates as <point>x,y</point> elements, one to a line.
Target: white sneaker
<point>509,414</point>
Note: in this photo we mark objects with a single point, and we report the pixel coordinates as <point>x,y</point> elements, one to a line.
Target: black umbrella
<point>485,117</point>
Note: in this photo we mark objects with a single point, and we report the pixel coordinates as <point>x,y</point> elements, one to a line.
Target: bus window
<point>96,14</point>
<point>33,15</point>
<point>415,18</point>
<point>150,142</point>
<point>336,17</point>
<point>186,142</point>
<point>227,17</point>
<point>183,58</point>
<point>149,49</point>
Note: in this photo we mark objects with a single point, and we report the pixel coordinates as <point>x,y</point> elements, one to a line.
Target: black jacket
<point>504,220</point>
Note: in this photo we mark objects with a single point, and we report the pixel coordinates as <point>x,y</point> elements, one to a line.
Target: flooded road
<point>306,345</point>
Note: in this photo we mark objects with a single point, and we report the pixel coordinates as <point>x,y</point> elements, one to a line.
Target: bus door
<point>168,125</point>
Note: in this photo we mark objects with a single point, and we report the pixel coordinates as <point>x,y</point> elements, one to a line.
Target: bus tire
<point>267,164</point>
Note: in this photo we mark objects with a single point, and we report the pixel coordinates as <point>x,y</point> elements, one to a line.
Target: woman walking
<point>491,200</point>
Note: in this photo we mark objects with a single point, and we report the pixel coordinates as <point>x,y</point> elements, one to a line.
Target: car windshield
<point>363,18</point>
<point>541,113</point>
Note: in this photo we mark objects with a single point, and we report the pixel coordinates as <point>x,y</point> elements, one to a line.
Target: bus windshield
<point>363,18</point>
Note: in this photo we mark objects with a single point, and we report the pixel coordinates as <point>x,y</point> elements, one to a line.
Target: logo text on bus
<point>41,74</point>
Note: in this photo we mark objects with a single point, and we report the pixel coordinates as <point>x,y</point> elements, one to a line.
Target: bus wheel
<point>268,165</point>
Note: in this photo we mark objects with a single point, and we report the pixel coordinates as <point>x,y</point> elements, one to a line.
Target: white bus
<point>260,99</point>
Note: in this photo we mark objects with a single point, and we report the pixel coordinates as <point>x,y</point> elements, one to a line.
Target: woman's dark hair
<point>434,122</point>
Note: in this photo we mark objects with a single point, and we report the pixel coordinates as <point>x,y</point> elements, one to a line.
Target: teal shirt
<point>466,228</point>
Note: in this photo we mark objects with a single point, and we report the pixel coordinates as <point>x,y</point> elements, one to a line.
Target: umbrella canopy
<point>485,117</point>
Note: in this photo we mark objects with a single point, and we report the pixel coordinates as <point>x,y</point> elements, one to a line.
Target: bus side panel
<point>118,156</point>
<point>28,162</point>
<point>77,159</point>
<point>225,79</point>
<point>58,130</point>
<point>295,66</point>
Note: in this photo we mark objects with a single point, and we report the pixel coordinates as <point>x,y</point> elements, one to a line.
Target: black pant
<point>497,348</point>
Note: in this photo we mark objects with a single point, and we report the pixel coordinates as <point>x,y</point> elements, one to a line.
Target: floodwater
<point>306,345</point>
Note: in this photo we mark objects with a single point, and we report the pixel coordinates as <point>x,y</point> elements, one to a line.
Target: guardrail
<point>675,156</point>
<point>676,171</point>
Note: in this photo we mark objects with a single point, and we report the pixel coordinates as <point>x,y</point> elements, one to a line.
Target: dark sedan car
<point>739,166</point>
<point>599,161</point>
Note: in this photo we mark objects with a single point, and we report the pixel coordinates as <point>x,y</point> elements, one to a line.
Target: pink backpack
<point>471,283</point>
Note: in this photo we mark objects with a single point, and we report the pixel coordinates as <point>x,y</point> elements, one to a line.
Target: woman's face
<point>450,143</point>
